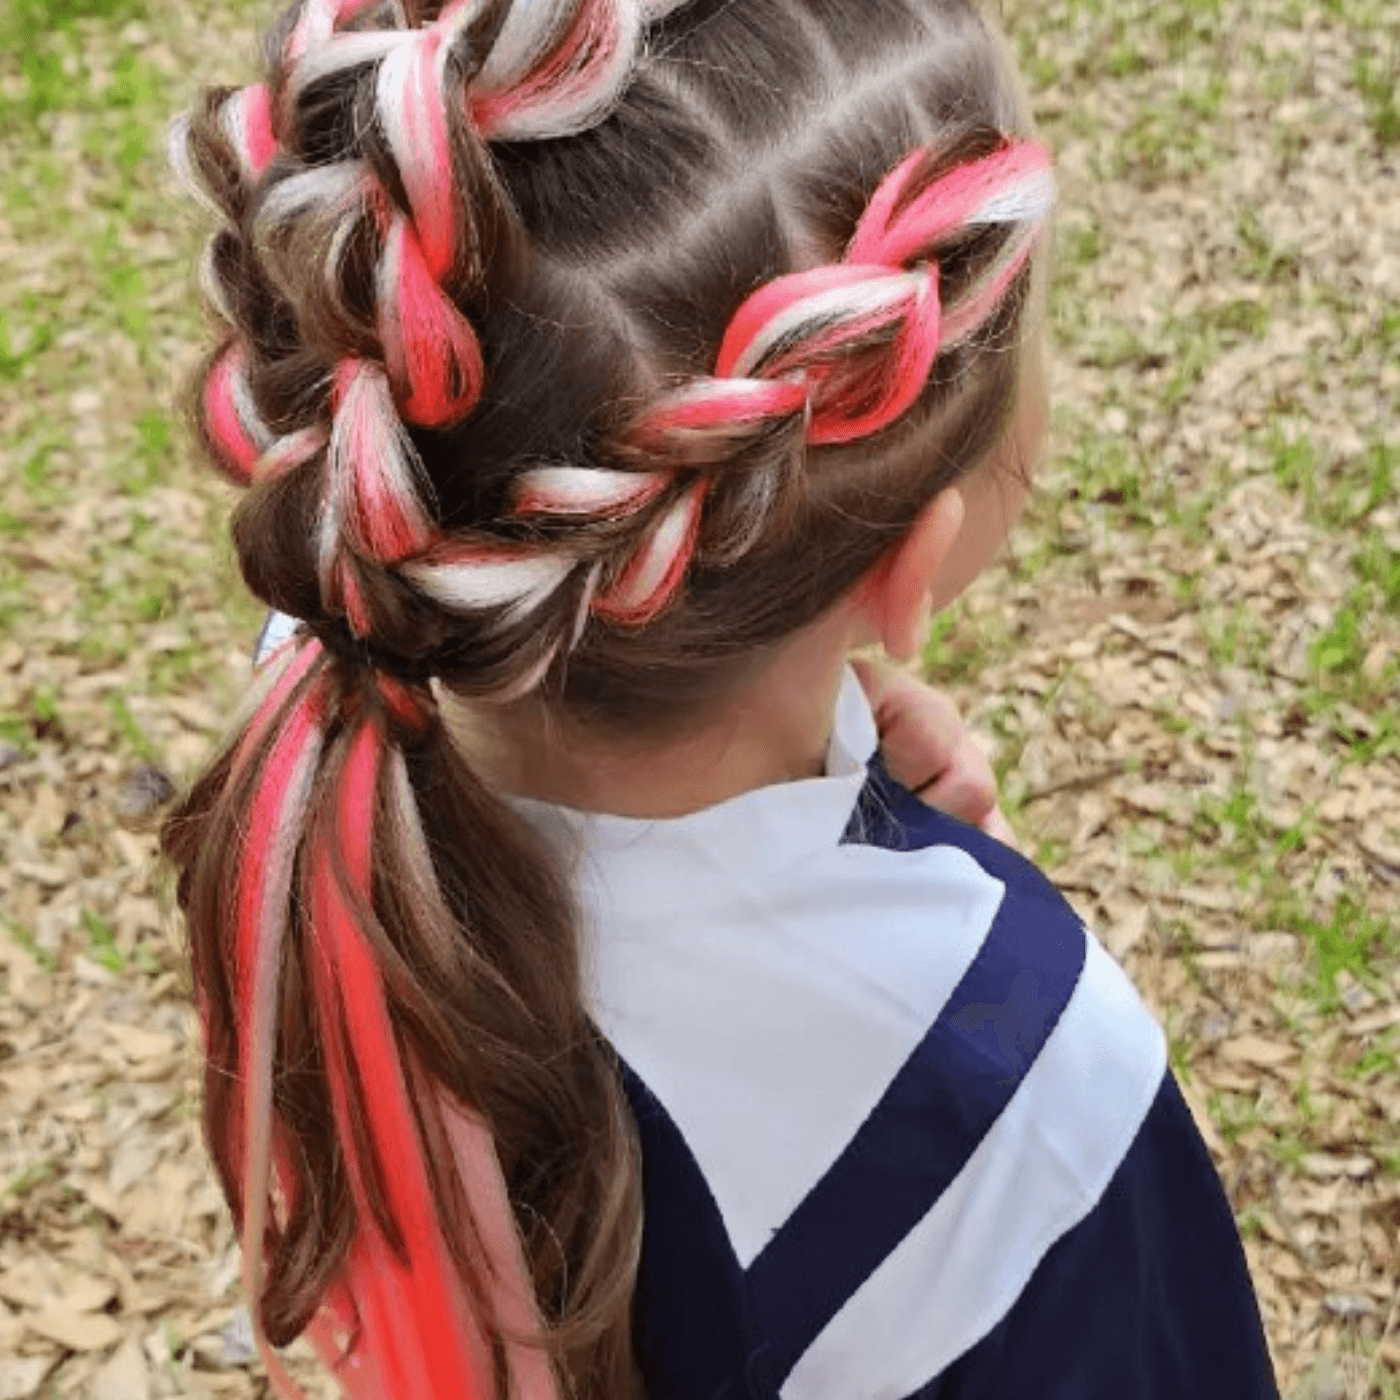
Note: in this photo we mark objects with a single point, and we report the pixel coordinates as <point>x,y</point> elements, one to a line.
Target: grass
<point>1350,939</point>
<point>102,941</point>
<point>1377,76</point>
<point>1155,103</point>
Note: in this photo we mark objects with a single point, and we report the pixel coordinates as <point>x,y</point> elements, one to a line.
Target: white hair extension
<point>585,604</point>
<point>1028,200</point>
<point>334,186</point>
<point>269,665</point>
<point>177,152</point>
<point>328,548</point>
<point>341,51</point>
<point>290,451</point>
<point>278,863</point>
<point>211,284</point>
<point>523,684</point>
<point>241,396</point>
<point>567,490</point>
<point>468,581</point>
<point>376,482</point>
<point>964,316</point>
<point>527,38</point>
<point>752,507</point>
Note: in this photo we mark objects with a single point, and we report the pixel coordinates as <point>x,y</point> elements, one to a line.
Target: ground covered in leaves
<point>1189,670</point>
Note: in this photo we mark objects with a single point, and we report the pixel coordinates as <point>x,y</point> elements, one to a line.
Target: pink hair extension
<point>708,404</point>
<point>430,348</point>
<point>416,1324</point>
<point>657,565</point>
<point>1014,185</point>
<point>299,653</point>
<point>474,1149</point>
<point>264,892</point>
<point>586,491</point>
<point>532,1377</point>
<point>231,420</point>
<point>803,326</point>
<point>804,323</point>
<point>246,118</point>
<point>410,705</point>
<point>334,1334</point>
<point>556,68</point>
<point>795,321</point>
<point>351,596</point>
<point>412,111</point>
<point>467,579</point>
<point>910,361</point>
<point>980,300</point>
<point>375,495</point>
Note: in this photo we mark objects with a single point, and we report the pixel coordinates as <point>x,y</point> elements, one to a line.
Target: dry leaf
<point>1254,1050</point>
<point>83,1293</point>
<point>125,1376</point>
<point>138,1044</point>
<point>1320,1164</point>
<point>76,1331</point>
<point>21,1377</point>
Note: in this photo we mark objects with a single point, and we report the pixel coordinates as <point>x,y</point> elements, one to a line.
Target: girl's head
<point>580,348</point>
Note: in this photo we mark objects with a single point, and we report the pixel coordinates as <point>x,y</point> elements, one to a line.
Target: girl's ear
<point>897,597</point>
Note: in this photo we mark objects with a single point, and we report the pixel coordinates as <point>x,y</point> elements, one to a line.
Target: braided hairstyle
<point>581,349</point>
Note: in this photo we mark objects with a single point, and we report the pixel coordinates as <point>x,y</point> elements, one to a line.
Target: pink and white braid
<point>554,67</point>
<point>846,350</point>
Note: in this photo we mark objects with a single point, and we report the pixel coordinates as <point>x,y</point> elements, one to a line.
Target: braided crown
<point>822,357</point>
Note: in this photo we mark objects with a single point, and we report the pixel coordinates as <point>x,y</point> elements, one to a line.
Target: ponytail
<point>364,1175</point>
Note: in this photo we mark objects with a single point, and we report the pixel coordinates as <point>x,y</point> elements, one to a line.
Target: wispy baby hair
<point>572,353</point>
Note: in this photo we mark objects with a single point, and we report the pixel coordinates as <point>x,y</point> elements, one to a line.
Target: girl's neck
<point>777,729</point>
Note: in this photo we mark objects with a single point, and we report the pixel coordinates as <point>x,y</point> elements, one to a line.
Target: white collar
<point>664,862</point>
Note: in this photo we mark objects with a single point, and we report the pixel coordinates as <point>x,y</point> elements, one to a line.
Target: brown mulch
<point>1197,742</point>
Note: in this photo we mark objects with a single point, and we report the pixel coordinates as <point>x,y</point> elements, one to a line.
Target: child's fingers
<point>967,787</point>
<point>920,728</point>
<point>927,747</point>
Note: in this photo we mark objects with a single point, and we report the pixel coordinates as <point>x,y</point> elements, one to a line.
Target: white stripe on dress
<point>714,1008</point>
<point>1040,1170</point>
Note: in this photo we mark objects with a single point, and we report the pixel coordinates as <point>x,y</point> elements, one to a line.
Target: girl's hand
<point>929,749</point>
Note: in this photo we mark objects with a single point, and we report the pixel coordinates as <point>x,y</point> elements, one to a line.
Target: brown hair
<point>593,271</point>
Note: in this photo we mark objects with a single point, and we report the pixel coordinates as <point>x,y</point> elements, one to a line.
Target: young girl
<point>587,1011</point>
